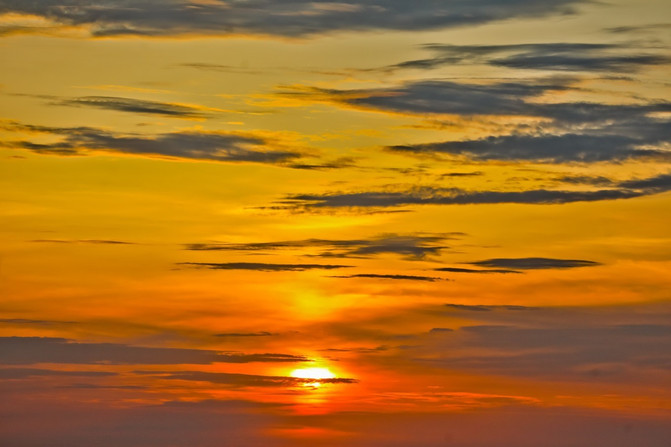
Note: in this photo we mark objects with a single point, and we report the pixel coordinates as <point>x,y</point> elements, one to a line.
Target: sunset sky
<point>378,223</point>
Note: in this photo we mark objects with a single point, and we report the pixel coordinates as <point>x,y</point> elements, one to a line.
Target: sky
<point>372,223</point>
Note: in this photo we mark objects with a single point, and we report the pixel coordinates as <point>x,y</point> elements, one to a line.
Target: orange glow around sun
<point>312,373</point>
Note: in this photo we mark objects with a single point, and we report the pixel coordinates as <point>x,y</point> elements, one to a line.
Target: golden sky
<point>357,223</point>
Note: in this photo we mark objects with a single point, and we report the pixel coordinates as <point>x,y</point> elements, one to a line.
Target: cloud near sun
<point>372,223</point>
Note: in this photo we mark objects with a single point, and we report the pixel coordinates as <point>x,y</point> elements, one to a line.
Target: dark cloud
<point>83,241</point>
<point>463,270</point>
<point>241,380</point>
<point>21,321</point>
<point>566,132</point>
<point>214,146</point>
<point>661,183</point>
<point>585,180</point>
<point>445,196</point>
<point>262,267</point>
<point>439,97</point>
<point>641,28</point>
<point>245,334</point>
<point>400,277</point>
<point>463,174</point>
<point>591,352</point>
<point>542,148</point>
<point>26,373</point>
<point>534,263</point>
<point>454,196</point>
<point>411,246</point>
<point>134,106</point>
<point>30,350</point>
<point>484,308</point>
<point>295,18</point>
<point>542,56</point>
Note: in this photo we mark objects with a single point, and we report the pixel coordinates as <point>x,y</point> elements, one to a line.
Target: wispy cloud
<point>535,263</point>
<point>262,267</point>
<point>195,145</point>
<point>242,380</point>
<point>31,350</point>
<point>558,56</point>
<point>398,277</point>
<point>270,17</point>
<point>133,105</point>
<point>410,246</point>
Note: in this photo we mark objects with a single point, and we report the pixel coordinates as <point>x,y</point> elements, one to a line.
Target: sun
<point>313,373</point>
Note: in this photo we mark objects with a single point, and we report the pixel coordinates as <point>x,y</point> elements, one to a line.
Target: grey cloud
<point>134,106</point>
<point>295,18</point>
<point>231,147</point>
<point>463,270</point>
<point>262,267</point>
<point>83,241</point>
<point>26,373</point>
<point>463,174</point>
<point>484,308</point>
<point>28,321</point>
<point>245,334</point>
<point>661,182</point>
<point>411,246</point>
<point>534,263</point>
<point>445,196</point>
<point>440,97</point>
<point>399,277</point>
<point>241,380</point>
<point>30,350</point>
<point>559,56</point>
<point>585,180</point>
<point>578,131</point>
<point>543,148</point>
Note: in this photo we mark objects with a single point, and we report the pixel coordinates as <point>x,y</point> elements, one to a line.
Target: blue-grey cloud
<point>294,18</point>
<point>133,105</point>
<point>411,246</point>
<point>245,334</point>
<point>465,270</point>
<point>397,277</point>
<point>448,196</point>
<point>237,380</point>
<point>559,56</point>
<point>487,308</point>
<point>569,132</point>
<point>534,263</point>
<point>31,350</point>
<point>214,146</point>
<point>27,373</point>
<point>262,267</point>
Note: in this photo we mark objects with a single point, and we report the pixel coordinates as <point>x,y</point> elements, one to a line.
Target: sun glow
<point>313,373</point>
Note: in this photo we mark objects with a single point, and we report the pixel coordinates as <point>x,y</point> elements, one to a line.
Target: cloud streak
<point>31,350</point>
<point>298,18</point>
<point>194,145</point>
<point>410,246</point>
<point>263,267</point>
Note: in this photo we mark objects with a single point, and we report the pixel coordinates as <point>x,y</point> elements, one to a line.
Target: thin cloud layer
<point>454,196</point>
<point>559,56</point>
<point>567,132</point>
<point>397,277</point>
<point>297,18</point>
<point>534,263</point>
<point>133,105</point>
<point>243,380</point>
<point>410,246</point>
<point>262,267</point>
<point>213,146</point>
<point>31,350</point>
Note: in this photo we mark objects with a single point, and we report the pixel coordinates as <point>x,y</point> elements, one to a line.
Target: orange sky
<point>308,223</point>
